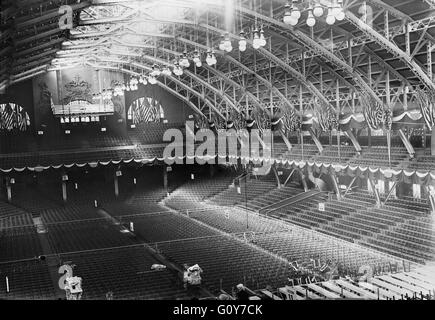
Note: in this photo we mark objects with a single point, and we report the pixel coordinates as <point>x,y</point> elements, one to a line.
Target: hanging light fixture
<point>295,12</point>
<point>318,10</point>
<point>167,72</point>
<point>197,59</point>
<point>256,40</point>
<point>152,80</point>
<point>228,47</point>
<point>222,44</point>
<point>311,21</point>
<point>242,42</point>
<point>262,40</point>
<point>330,19</point>
<point>287,19</point>
<point>213,57</point>
<point>339,14</point>
<point>209,59</point>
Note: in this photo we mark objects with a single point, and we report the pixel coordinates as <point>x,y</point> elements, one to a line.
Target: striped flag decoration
<point>13,116</point>
<point>145,110</point>
<point>373,112</point>
<point>426,102</point>
<point>9,118</point>
<point>22,119</point>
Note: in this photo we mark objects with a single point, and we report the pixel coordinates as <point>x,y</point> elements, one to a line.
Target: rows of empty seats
<point>417,284</point>
<point>19,243</point>
<point>299,212</point>
<point>89,235</point>
<point>149,133</point>
<point>166,227</point>
<point>28,280</point>
<point>126,272</point>
<point>331,154</point>
<point>248,191</point>
<point>299,152</point>
<point>227,262</point>
<point>274,196</point>
<point>378,157</point>
<point>192,194</point>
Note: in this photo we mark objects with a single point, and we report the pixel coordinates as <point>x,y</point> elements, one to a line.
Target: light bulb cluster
<point>258,41</point>
<point>242,42</point>
<point>211,58</point>
<point>335,10</point>
<point>225,44</point>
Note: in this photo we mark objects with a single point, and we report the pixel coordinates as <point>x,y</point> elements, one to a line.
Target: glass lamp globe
<point>318,10</point>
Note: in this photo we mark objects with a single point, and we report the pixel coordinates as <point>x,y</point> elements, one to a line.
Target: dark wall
<point>21,94</point>
<point>175,109</point>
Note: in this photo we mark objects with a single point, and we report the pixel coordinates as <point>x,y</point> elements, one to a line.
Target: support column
<point>64,178</point>
<point>9,190</point>
<point>431,197</point>
<point>286,141</point>
<point>276,176</point>
<point>64,193</point>
<point>304,182</point>
<point>165,178</point>
<point>116,185</point>
<point>316,141</point>
<point>407,144</point>
<point>336,187</point>
<point>352,138</point>
<point>375,190</point>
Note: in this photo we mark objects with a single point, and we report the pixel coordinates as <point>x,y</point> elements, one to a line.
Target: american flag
<point>8,117</point>
<point>427,107</point>
<point>21,119</point>
<point>373,113</point>
<point>146,110</point>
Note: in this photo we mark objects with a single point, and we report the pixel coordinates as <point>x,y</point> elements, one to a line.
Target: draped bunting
<point>409,176</point>
<point>426,102</point>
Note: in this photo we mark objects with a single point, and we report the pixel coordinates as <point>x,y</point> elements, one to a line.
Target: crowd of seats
<point>28,280</point>
<point>17,243</point>
<point>414,285</point>
<point>151,132</point>
<point>423,162</point>
<point>331,154</point>
<point>274,196</point>
<point>254,188</point>
<point>298,153</point>
<point>377,156</point>
<point>126,272</point>
<point>227,262</point>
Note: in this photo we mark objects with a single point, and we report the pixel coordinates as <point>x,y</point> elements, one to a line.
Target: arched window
<point>145,109</point>
<point>13,116</point>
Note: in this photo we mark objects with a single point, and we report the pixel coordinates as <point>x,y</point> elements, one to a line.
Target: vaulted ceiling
<point>385,54</point>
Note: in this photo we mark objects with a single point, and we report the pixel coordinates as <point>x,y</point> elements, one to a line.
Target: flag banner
<point>145,109</point>
<point>426,101</point>
<point>13,116</point>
